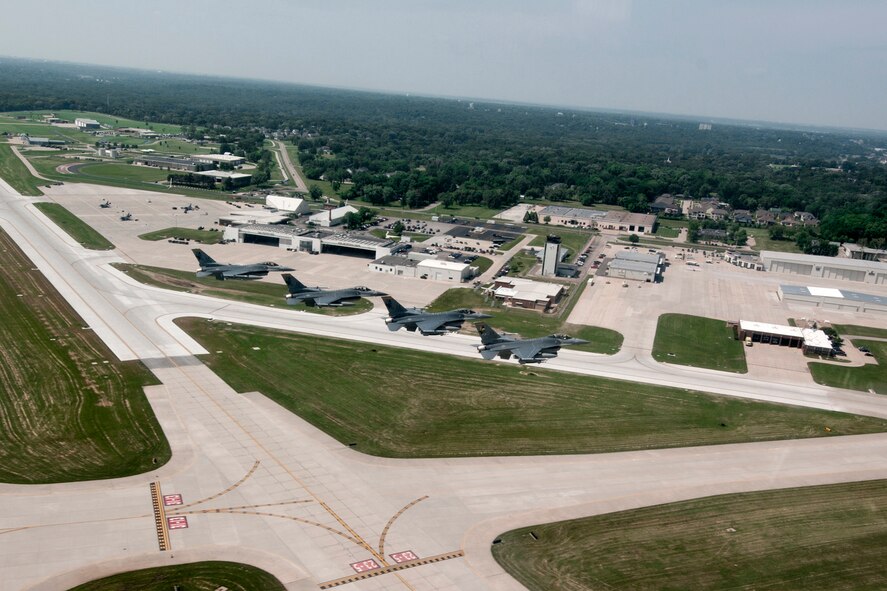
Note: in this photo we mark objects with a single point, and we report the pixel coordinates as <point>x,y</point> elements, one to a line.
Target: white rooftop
<point>333,214</point>
<point>527,289</point>
<point>222,174</point>
<point>816,338</point>
<point>218,157</point>
<point>780,329</point>
<point>439,264</point>
<point>828,292</point>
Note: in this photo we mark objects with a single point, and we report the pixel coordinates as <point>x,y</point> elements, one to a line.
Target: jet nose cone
<point>576,342</point>
<point>479,315</point>
<point>284,269</point>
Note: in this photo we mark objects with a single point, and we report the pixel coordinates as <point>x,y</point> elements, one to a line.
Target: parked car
<point>864,349</point>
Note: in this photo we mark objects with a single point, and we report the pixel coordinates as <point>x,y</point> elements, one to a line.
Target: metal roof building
<point>841,269</point>
<point>830,298</point>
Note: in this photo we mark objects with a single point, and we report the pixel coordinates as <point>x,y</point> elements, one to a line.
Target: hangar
<point>316,241</point>
<point>636,266</point>
<point>288,204</point>
<point>438,270</point>
<point>840,269</point>
<point>830,298</point>
<point>810,340</point>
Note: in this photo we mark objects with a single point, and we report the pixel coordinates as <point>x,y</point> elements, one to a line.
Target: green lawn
<point>252,292</point>
<point>574,240</point>
<point>871,376</point>
<point>482,264</point>
<point>860,331</point>
<point>404,403</point>
<point>177,147</point>
<point>201,236</point>
<point>110,120</point>
<point>36,129</point>
<point>120,171</point>
<point>521,263</point>
<point>664,230</point>
<point>698,342</point>
<point>195,576</point>
<point>74,226</point>
<point>763,241</point>
<point>70,411</point>
<point>14,172</point>
<point>528,323</point>
<point>820,537</point>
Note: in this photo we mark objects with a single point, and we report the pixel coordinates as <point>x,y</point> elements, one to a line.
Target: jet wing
<point>430,325</point>
<point>527,350</point>
<point>326,299</point>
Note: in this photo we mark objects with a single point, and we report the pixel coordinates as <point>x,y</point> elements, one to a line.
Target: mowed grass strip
<point>248,291</point>
<point>823,537</point>
<point>698,342</point>
<point>869,377</point>
<point>527,323</point>
<point>201,236</point>
<point>195,576</point>
<point>402,403</point>
<point>860,331</point>
<point>61,417</point>
<point>76,228</point>
<point>14,172</point>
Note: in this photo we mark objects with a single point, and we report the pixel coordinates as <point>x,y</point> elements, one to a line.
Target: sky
<point>810,62</point>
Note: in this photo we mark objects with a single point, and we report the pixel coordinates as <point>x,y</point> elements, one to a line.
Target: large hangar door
<point>259,239</point>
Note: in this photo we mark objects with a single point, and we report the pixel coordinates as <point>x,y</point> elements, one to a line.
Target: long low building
<point>830,298</point>
<point>622,221</point>
<point>394,265</point>
<point>810,340</point>
<point>216,159</point>
<point>841,269</point>
<point>171,163</point>
<point>526,293</point>
<point>307,240</point>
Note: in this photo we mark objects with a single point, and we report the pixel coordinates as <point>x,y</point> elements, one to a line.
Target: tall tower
<point>551,256</point>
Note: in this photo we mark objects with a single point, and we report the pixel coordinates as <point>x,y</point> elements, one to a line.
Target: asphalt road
<point>260,485</point>
<point>292,172</point>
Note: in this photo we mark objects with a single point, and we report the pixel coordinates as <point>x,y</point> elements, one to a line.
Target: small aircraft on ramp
<point>105,204</point>
<point>317,296</point>
<point>427,323</point>
<point>526,350</point>
<point>221,271</point>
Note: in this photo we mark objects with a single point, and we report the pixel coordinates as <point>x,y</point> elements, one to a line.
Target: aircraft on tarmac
<point>105,204</point>
<point>427,323</point>
<point>526,350</point>
<point>210,268</point>
<point>126,217</point>
<point>317,296</point>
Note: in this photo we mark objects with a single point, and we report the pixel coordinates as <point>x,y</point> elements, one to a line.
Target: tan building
<point>525,293</point>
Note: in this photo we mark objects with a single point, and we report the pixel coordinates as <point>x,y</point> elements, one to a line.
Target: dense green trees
<point>416,150</point>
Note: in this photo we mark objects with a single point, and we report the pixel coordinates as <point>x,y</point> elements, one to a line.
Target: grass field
<point>821,537</point>
<point>36,129</point>
<point>74,226</point>
<point>528,323</point>
<point>698,342</point>
<point>482,264</point>
<point>120,171</point>
<point>14,172</point>
<point>860,331</point>
<point>574,240</point>
<point>252,292</point>
<point>664,229</point>
<point>196,576</point>
<point>465,211</point>
<point>521,263</point>
<point>68,409</point>
<point>177,146</point>
<point>871,376</point>
<point>403,403</point>
<point>763,241</point>
<point>201,236</point>
<point>110,120</point>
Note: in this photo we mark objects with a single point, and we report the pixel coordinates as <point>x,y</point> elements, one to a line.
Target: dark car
<point>839,352</point>
<point>864,349</point>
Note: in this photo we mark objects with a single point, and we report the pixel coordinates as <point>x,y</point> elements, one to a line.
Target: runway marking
<point>405,556</point>
<point>171,500</point>
<point>366,574</point>
<point>281,516</point>
<point>177,522</point>
<point>160,524</point>
<point>227,490</point>
<point>179,511</point>
<point>393,519</point>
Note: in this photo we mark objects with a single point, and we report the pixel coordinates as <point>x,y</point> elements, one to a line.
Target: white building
<point>395,265</point>
<point>438,270</point>
<point>636,266</point>
<point>837,268</point>
<point>216,159</point>
<point>551,256</point>
<point>87,124</point>
<point>332,217</point>
<point>287,204</point>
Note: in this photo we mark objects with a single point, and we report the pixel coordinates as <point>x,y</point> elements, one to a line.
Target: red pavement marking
<point>404,556</point>
<point>364,566</point>
<point>172,500</point>
<point>177,522</point>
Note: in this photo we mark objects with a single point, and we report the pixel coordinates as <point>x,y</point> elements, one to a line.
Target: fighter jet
<point>105,204</point>
<point>221,271</point>
<point>526,350</point>
<point>428,323</point>
<point>317,296</point>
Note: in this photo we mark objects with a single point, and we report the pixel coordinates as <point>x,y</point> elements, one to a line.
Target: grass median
<point>69,410</point>
<point>195,576</point>
<point>76,228</point>
<point>823,537</point>
<point>201,236</point>
<point>698,342</point>
<point>403,403</point>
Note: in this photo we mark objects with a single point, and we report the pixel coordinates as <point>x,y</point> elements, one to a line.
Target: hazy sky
<point>799,61</point>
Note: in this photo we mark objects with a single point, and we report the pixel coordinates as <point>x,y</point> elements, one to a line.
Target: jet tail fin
<point>395,309</point>
<point>488,336</point>
<point>294,285</point>
<point>204,259</point>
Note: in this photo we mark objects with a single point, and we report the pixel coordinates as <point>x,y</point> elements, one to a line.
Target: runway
<point>259,485</point>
